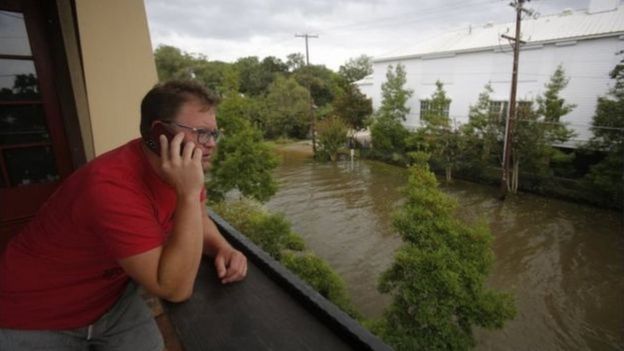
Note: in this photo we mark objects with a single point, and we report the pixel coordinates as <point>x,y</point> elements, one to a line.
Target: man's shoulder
<point>118,168</point>
<point>123,159</point>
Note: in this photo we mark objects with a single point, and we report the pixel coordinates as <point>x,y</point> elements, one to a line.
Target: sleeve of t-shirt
<point>125,219</point>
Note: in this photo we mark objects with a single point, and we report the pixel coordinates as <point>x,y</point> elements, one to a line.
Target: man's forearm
<point>181,254</point>
<point>213,240</point>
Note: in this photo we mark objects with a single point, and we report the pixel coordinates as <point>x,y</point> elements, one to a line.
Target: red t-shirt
<point>61,271</point>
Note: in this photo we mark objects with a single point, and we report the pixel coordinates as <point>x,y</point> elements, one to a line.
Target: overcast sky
<point>228,29</point>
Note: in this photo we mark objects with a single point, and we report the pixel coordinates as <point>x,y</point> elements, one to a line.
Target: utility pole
<point>306,36</point>
<point>511,116</point>
<point>312,114</point>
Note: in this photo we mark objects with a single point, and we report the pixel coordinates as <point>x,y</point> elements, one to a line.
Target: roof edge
<point>527,46</point>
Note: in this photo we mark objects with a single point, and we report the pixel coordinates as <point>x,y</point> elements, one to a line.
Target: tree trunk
<point>449,175</point>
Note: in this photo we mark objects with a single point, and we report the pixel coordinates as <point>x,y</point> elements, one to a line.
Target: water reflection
<point>564,262</point>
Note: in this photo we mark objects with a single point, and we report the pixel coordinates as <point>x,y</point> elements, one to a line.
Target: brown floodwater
<point>563,262</point>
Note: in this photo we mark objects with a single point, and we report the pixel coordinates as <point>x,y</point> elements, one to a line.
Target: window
<point>499,109</point>
<point>427,108</point>
<point>34,152</point>
<point>25,146</point>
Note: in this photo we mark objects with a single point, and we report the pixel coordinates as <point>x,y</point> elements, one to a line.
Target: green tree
<point>295,61</point>
<point>388,137</point>
<point>356,68</point>
<point>608,127</point>
<point>172,63</point>
<point>394,95</point>
<point>332,135</point>
<point>320,81</point>
<point>537,131</point>
<point>442,137</point>
<point>529,147</point>
<point>256,76</point>
<point>243,162</point>
<point>387,131</point>
<point>481,135</point>
<point>551,107</point>
<point>438,276</point>
<point>217,76</point>
<point>353,107</point>
<point>288,109</point>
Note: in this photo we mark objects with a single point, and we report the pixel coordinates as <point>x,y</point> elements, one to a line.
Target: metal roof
<point>566,26</point>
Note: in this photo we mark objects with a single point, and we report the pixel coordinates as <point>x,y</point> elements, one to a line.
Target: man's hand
<point>231,265</point>
<point>182,169</point>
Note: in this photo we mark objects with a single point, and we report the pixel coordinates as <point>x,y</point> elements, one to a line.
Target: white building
<point>585,43</point>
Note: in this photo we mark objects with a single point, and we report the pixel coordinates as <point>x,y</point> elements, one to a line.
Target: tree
<point>438,276</point>
<point>353,107</point>
<point>394,95</point>
<point>332,136</point>
<point>442,137</point>
<point>536,131</point>
<point>387,131</point>
<point>243,162</point>
<point>288,109</point>
<point>608,127</point>
<point>530,147</point>
<point>217,76</point>
<point>295,61</point>
<point>551,107</point>
<point>356,68</point>
<point>256,76</point>
<point>172,63</point>
<point>320,81</point>
<point>481,135</point>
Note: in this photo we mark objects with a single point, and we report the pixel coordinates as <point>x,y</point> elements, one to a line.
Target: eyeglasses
<point>203,135</point>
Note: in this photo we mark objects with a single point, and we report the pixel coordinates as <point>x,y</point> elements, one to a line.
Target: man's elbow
<point>178,296</point>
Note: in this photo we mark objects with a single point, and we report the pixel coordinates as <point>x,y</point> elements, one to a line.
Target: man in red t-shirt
<point>134,215</point>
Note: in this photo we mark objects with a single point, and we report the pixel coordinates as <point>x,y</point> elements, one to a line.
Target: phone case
<point>155,133</point>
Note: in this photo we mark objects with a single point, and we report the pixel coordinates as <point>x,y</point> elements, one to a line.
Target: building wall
<point>118,67</point>
<point>586,62</point>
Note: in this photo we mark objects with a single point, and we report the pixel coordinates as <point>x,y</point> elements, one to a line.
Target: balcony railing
<point>272,309</point>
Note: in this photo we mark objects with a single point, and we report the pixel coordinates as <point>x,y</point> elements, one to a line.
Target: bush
<point>388,136</point>
<point>272,232</point>
<point>332,136</point>
<point>318,274</point>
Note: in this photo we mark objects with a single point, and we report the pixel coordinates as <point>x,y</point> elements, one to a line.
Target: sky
<point>226,30</point>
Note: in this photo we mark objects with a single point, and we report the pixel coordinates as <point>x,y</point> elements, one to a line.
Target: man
<point>132,215</point>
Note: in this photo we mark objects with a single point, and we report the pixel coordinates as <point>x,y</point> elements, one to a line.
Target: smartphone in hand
<point>157,130</point>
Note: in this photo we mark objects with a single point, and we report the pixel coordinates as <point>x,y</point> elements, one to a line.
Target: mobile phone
<point>157,130</point>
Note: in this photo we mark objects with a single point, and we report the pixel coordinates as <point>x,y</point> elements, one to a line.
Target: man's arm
<point>169,271</point>
<point>230,263</point>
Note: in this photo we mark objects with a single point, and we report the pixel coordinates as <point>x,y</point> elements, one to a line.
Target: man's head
<point>184,106</point>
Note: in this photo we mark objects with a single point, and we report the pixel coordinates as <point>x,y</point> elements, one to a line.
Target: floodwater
<point>563,262</point>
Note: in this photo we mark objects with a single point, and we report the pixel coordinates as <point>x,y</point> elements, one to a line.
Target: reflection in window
<point>18,80</point>
<point>30,165</point>
<point>3,181</point>
<point>13,38</point>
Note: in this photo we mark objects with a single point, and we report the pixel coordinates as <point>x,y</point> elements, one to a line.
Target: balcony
<point>272,309</point>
